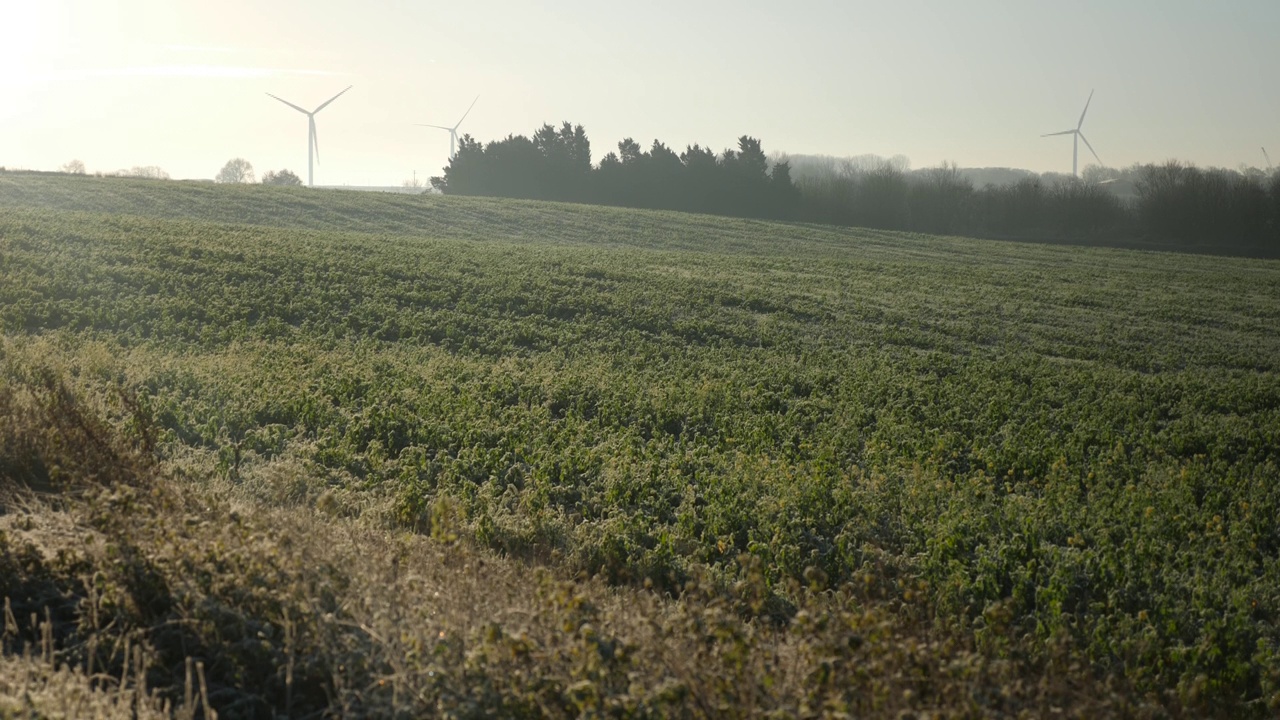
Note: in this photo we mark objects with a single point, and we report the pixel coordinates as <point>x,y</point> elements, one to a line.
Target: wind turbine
<point>453,131</point>
<point>1270,167</point>
<point>1075,144</point>
<point>312,143</point>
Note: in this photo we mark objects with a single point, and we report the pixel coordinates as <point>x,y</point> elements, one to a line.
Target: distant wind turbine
<point>313,145</point>
<point>1270,167</point>
<point>1075,145</point>
<point>453,131</point>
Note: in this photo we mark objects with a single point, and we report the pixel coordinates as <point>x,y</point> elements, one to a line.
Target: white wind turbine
<point>313,146</point>
<point>1075,145</point>
<point>453,131</point>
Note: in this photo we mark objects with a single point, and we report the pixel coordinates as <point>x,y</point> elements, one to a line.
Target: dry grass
<point>36,688</point>
<point>132,593</point>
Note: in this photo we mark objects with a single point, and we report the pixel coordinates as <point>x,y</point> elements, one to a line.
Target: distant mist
<point>1171,205</point>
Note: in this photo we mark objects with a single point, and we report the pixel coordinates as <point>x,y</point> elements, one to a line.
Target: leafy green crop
<point>1085,440</point>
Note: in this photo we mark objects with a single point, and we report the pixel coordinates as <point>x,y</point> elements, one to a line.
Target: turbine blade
<point>465,114</point>
<point>286,102</point>
<point>435,126</point>
<point>1095,154</point>
<point>1086,109</point>
<point>315,139</point>
<point>335,97</point>
<point>1064,132</point>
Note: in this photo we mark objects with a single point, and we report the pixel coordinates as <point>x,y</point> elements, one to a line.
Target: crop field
<point>1070,447</point>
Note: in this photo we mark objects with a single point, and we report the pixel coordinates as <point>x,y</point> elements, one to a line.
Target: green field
<point>1081,442</point>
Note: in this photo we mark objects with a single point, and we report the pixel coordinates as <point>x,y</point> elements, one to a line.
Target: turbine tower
<point>1075,145</point>
<point>313,145</point>
<point>453,131</point>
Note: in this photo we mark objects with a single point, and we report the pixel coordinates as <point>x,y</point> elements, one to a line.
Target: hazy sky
<point>180,84</point>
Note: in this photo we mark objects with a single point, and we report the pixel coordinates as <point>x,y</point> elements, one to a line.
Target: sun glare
<point>29,42</point>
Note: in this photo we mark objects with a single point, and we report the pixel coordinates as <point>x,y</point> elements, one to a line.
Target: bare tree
<point>237,170</point>
<point>284,177</point>
<point>149,172</point>
<point>75,167</point>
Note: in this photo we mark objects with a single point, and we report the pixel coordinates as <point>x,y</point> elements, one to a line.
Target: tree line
<point>555,164</point>
<point>1172,204</point>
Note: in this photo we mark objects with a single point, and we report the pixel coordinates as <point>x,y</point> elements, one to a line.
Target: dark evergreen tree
<point>516,168</point>
<point>466,173</point>
<point>701,180</point>
<point>629,151</point>
<point>567,161</point>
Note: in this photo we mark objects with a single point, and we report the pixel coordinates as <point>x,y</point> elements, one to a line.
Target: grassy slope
<point>1084,439</point>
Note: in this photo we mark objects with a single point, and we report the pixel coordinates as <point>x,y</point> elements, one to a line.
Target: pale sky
<point>180,84</point>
